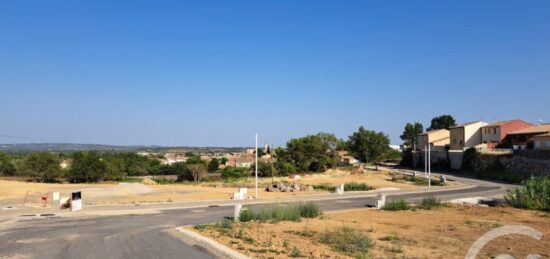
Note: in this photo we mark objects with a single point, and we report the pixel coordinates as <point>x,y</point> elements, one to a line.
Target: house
<point>524,138</point>
<point>437,138</point>
<point>240,161</point>
<point>494,133</point>
<point>541,142</point>
<point>466,135</point>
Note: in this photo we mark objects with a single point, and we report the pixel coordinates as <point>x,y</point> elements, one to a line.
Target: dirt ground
<point>439,233</point>
<point>127,193</point>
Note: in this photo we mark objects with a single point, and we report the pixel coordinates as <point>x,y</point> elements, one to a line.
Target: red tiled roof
<point>538,129</point>
<point>500,123</point>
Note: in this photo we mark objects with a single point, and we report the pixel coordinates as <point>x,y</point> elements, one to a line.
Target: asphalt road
<point>148,235</point>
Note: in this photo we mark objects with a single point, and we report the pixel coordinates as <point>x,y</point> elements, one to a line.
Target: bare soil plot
<point>127,193</point>
<point>438,233</point>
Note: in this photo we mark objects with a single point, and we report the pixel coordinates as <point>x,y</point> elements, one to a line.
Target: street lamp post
<point>256,166</point>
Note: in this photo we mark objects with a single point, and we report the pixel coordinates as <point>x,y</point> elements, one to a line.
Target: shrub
<point>430,202</point>
<point>533,194</point>
<point>235,173</point>
<point>309,210</point>
<point>325,186</point>
<point>226,223</point>
<point>246,215</point>
<point>296,252</point>
<point>348,241</point>
<point>395,205</point>
<point>281,213</point>
<point>353,186</point>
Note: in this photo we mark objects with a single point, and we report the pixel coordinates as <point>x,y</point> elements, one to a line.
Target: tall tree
<point>410,134</point>
<point>87,167</point>
<point>6,166</point>
<point>213,165</point>
<point>42,166</point>
<point>197,171</point>
<point>368,146</point>
<point>442,122</point>
<point>313,153</point>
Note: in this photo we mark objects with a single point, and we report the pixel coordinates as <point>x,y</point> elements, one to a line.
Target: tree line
<point>311,153</point>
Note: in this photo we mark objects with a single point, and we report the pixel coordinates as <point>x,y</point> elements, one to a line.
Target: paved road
<point>149,235</point>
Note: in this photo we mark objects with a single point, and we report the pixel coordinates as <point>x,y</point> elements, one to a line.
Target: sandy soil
<point>125,193</point>
<point>439,233</point>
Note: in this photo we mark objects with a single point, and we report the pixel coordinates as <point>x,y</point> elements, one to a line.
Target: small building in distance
<point>494,133</point>
<point>436,138</point>
<point>466,135</point>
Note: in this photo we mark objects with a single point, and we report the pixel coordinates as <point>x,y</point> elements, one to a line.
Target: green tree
<point>442,122</point>
<point>213,165</point>
<point>410,134</point>
<point>313,153</point>
<point>87,167</point>
<point>42,166</point>
<point>231,172</point>
<point>223,161</point>
<point>368,146</point>
<point>7,167</point>
<point>197,171</point>
<point>178,168</point>
<point>265,169</point>
<point>115,168</point>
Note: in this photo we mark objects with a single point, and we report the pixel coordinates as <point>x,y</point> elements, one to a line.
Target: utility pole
<point>429,166</point>
<point>256,167</point>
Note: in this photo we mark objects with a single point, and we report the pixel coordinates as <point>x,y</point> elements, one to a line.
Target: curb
<point>217,249</point>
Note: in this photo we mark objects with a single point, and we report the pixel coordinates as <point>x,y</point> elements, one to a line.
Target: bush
<point>235,173</point>
<point>533,194</point>
<point>281,213</point>
<point>395,205</point>
<point>309,210</point>
<point>348,241</point>
<point>353,186</point>
<point>429,203</point>
<point>246,215</point>
<point>325,186</point>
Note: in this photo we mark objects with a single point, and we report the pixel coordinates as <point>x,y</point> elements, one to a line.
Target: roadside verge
<point>194,239</point>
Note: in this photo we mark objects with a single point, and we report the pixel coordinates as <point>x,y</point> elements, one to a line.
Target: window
<point>547,143</point>
<point>461,143</point>
<point>537,143</point>
<point>494,131</point>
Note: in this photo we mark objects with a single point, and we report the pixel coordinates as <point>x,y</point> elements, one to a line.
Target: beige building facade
<point>466,135</point>
<point>436,138</point>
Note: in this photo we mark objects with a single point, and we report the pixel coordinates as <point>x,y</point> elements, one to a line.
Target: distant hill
<point>71,147</point>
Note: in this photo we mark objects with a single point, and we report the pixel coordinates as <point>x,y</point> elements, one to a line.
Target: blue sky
<point>212,73</point>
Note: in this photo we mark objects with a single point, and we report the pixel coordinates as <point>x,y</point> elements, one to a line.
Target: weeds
<point>325,186</point>
<point>281,213</point>
<point>533,194</point>
<point>430,202</point>
<point>354,186</point>
<point>348,241</point>
<point>395,205</point>
<point>296,252</point>
<point>200,226</point>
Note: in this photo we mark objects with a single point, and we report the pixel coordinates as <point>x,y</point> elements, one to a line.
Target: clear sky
<point>212,73</point>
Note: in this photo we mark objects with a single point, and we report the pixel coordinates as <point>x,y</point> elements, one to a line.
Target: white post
<point>256,167</point>
<point>425,160</point>
<point>429,166</point>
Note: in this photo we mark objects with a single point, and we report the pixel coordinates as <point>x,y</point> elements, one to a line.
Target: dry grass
<point>437,233</point>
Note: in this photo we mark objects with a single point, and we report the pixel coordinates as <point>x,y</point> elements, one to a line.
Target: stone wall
<point>526,166</point>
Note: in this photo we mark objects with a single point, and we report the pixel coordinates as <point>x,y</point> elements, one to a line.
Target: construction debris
<point>293,187</point>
